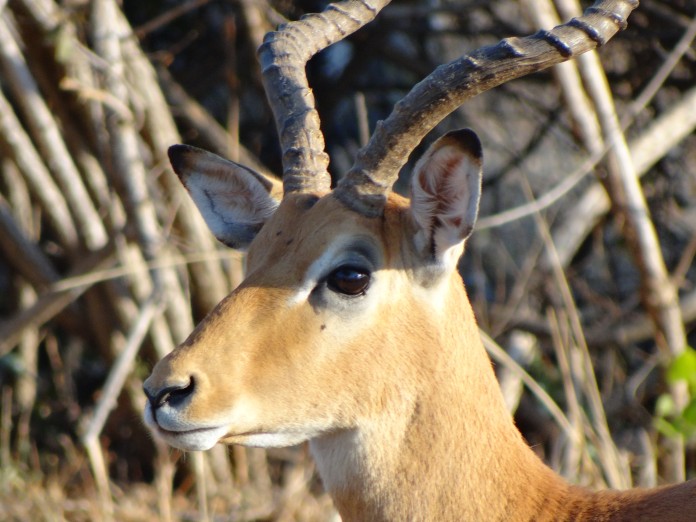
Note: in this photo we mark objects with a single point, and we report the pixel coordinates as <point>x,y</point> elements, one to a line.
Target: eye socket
<point>349,280</point>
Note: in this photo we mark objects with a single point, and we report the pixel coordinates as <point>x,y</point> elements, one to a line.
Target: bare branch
<point>51,303</point>
<point>120,369</point>
<point>127,159</point>
<point>650,146</point>
<point>209,131</point>
<point>21,253</point>
<point>162,132</point>
<point>659,293</point>
<point>17,145</point>
<point>45,130</point>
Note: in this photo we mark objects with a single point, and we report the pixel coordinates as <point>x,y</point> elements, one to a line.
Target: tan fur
<point>399,401</point>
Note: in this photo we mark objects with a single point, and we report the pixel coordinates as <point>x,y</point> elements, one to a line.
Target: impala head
<point>345,289</point>
<point>352,328</point>
<point>323,331</point>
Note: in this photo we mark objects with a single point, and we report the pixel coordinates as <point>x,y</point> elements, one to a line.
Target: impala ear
<point>235,201</point>
<point>445,193</point>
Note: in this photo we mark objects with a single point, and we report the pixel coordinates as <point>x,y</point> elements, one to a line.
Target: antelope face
<point>322,333</point>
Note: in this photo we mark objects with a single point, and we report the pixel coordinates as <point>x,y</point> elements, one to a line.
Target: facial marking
<point>343,250</point>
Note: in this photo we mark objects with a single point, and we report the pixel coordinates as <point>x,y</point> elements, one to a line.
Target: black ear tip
<point>175,151</point>
<point>467,139</point>
<point>178,156</point>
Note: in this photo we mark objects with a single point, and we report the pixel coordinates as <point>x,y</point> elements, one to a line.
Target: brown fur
<point>402,407</point>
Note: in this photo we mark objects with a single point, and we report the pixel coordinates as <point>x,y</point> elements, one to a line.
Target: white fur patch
<point>234,200</point>
<point>270,440</point>
<point>330,258</point>
<point>185,436</point>
<point>446,186</point>
<point>230,197</point>
<point>315,271</point>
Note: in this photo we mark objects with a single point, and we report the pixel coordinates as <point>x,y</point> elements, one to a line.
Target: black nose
<point>172,395</point>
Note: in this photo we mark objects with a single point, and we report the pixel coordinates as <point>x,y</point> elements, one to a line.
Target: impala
<point>352,329</point>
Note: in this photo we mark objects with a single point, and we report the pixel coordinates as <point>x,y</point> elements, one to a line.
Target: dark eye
<point>349,280</point>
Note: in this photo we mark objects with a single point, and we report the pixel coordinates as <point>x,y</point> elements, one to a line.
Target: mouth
<point>182,433</point>
<point>188,439</point>
<point>199,438</point>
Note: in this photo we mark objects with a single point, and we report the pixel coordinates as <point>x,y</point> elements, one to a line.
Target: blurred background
<point>584,289</point>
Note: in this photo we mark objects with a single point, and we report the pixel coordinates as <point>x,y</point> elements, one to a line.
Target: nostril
<point>172,395</point>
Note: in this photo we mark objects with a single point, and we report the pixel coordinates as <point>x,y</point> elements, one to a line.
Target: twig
<point>646,149</point>
<point>46,133</point>
<point>127,159</point>
<point>499,355</point>
<point>640,328</point>
<point>209,131</point>
<point>560,345</point>
<point>120,370</point>
<point>50,304</point>
<point>161,130</point>
<point>167,17</point>
<point>256,15</point>
<point>659,294</point>
<point>362,119</point>
<point>26,381</point>
<point>110,392</point>
<point>201,485</point>
<point>522,347</point>
<point>126,269</point>
<point>543,202</point>
<point>614,468</point>
<point>18,146</point>
<point>650,146</point>
<point>26,385</point>
<point>232,81</point>
<point>23,255</point>
<point>101,477</point>
<point>5,425</point>
<point>576,101</point>
<point>650,90</point>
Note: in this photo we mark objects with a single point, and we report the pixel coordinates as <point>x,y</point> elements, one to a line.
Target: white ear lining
<point>234,201</point>
<point>231,195</point>
<point>446,187</point>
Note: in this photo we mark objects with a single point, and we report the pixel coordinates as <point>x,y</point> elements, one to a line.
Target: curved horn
<point>377,164</point>
<point>283,57</point>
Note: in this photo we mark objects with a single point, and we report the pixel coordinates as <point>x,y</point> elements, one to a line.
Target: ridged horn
<point>377,165</point>
<point>283,56</point>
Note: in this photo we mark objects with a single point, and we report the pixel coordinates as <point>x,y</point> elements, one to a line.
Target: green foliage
<point>669,420</point>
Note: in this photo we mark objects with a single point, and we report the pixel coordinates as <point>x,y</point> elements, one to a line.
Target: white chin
<point>194,440</point>
<point>199,439</point>
<point>267,440</point>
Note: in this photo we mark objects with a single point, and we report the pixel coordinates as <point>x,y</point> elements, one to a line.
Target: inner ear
<point>445,193</point>
<point>235,201</point>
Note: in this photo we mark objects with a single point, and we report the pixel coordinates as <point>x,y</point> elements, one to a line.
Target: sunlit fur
<point>393,388</point>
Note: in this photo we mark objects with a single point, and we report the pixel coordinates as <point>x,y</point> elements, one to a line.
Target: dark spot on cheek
<point>279,233</point>
<point>322,327</point>
<point>289,241</point>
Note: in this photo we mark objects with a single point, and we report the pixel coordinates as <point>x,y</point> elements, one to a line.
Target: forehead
<point>304,226</point>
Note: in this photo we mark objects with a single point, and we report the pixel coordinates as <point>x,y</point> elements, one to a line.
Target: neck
<point>447,451</point>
